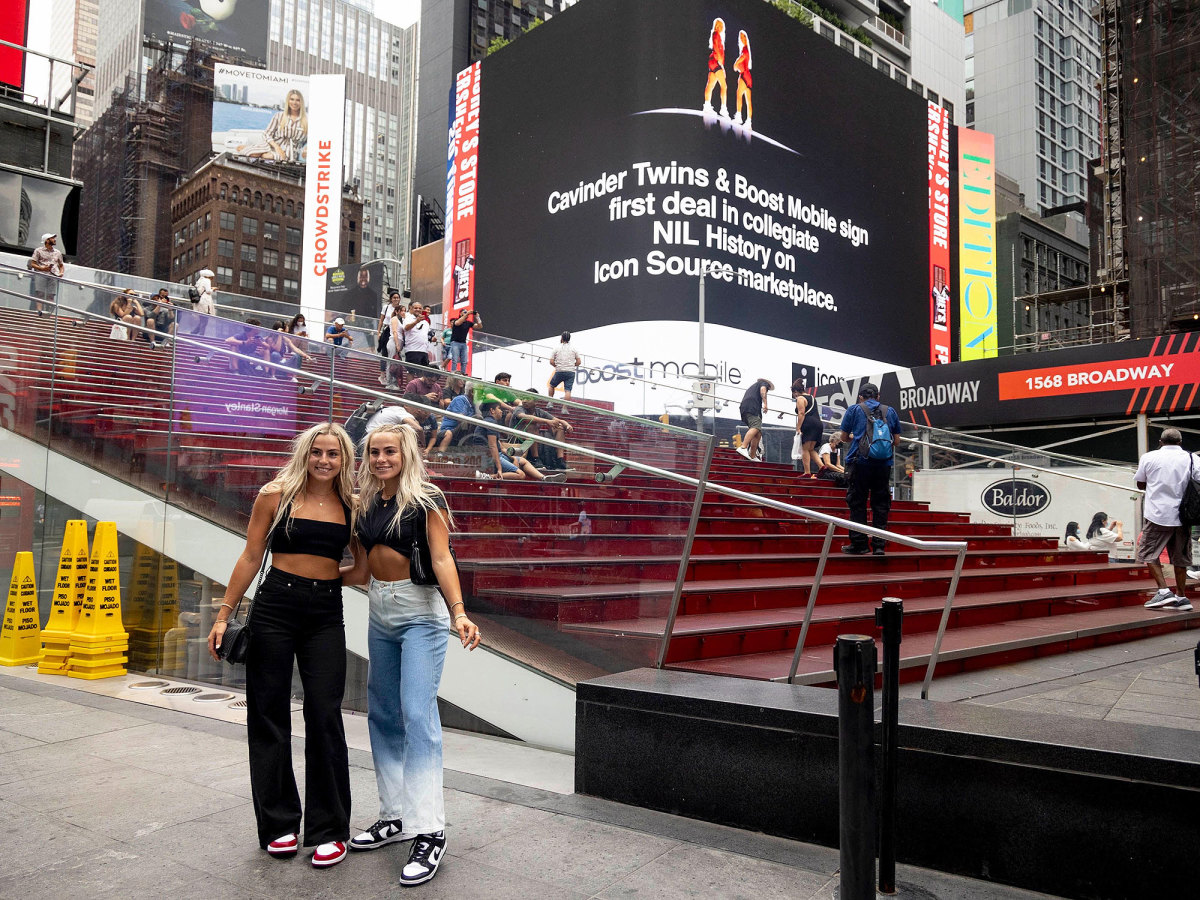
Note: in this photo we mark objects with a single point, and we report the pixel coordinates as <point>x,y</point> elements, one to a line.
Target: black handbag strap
<point>262,570</point>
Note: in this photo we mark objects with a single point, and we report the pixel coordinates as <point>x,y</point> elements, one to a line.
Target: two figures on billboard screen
<point>716,76</point>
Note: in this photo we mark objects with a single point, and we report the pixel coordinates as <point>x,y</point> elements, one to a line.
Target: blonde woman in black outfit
<point>307,513</point>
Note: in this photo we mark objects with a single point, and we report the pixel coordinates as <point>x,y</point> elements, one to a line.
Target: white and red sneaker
<point>328,855</point>
<point>284,847</point>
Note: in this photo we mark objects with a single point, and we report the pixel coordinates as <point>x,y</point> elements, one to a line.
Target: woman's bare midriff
<point>318,568</point>
<point>386,564</point>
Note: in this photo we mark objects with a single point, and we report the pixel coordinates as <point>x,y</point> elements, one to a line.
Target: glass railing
<point>1037,493</point>
<point>173,442</point>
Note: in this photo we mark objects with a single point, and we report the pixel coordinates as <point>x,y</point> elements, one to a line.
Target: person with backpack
<point>869,430</point>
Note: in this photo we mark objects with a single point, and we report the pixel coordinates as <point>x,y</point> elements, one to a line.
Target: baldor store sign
<point>1159,375</point>
<point>1033,503</point>
<point>1016,498</point>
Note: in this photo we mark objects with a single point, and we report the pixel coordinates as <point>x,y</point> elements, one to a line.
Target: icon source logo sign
<point>1016,498</point>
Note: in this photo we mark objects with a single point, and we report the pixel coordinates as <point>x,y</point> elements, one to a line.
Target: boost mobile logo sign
<point>1016,498</point>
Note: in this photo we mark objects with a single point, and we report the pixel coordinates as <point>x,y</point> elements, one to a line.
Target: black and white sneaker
<point>423,861</point>
<point>385,831</point>
<point>1177,604</point>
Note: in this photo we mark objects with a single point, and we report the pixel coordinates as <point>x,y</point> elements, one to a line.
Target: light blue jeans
<point>407,638</point>
<point>458,357</point>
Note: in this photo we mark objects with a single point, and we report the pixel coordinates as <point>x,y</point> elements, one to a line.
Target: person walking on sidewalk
<point>304,517</point>
<point>403,513</point>
<point>1163,474</point>
<point>869,466</point>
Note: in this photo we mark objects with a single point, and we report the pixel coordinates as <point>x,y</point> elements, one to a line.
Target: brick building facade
<point>244,221</point>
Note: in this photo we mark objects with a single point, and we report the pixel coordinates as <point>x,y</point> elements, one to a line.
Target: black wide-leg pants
<point>301,619</point>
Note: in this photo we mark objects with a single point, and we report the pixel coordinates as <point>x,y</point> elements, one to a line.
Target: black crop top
<point>374,526</point>
<point>312,537</point>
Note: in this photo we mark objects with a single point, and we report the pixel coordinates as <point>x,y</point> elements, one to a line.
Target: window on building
<point>291,287</point>
<point>270,257</point>
<point>206,247</point>
<point>224,247</point>
<point>249,225</point>
<point>269,283</point>
<point>351,249</point>
<point>291,262</point>
<point>271,231</point>
<point>207,221</point>
<point>224,275</point>
<point>249,253</point>
<point>247,280</point>
<point>293,235</point>
<point>228,221</point>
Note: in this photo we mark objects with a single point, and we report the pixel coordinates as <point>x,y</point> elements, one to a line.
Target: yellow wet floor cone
<point>19,644</point>
<point>69,588</point>
<point>99,642</point>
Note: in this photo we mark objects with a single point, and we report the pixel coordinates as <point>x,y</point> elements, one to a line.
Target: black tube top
<point>374,526</point>
<point>312,537</point>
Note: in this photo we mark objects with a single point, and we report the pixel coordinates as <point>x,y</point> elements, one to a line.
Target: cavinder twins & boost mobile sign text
<point>1150,376</point>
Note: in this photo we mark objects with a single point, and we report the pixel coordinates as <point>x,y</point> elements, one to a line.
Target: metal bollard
<point>889,617</point>
<point>854,662</point>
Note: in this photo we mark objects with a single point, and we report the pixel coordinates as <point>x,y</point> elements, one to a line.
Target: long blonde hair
<point>293,477</point>
<point>413,488</point>
<point>287,113</point>
<point>717,21</point>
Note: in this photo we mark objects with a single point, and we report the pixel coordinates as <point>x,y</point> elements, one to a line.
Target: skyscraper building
<point>306,37</point>
<point>73,36</point>
<point>1032,70</point>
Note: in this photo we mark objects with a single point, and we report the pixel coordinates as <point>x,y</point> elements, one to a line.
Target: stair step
<point>964,648</point>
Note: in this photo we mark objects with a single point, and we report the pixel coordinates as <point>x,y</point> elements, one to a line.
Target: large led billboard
<point>239,27</point>
<point>626,147</point>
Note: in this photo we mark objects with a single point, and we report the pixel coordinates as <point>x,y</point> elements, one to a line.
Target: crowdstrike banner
<point>322,191</point>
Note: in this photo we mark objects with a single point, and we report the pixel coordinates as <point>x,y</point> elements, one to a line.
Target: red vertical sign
<point>939,235</point>
<point>462,180</point>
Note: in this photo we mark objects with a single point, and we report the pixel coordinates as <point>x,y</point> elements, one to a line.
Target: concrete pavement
<point>102,797</point>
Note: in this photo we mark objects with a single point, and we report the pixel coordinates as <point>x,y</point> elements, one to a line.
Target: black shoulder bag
<point>1189,506</point>
<point>420,562</point>
<point>235,643</point>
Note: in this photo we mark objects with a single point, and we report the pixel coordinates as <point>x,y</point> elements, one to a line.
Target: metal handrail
<point>700,484</point>
<point>1016,465</point>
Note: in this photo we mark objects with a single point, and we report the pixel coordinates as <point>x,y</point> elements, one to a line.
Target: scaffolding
<point>1157,90</point>
<point>131,158</point>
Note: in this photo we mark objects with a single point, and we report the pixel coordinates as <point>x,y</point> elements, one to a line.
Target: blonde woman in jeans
<point>407,639</point>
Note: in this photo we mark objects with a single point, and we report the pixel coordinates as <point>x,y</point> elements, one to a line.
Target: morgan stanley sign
<point>322,191</point>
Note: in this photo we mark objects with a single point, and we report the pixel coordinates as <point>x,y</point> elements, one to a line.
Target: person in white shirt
<point>1106,535</point>
<point>1164,474</point>
<point>565,360</point>
<point>1072,540</point>
<point>416,337</point>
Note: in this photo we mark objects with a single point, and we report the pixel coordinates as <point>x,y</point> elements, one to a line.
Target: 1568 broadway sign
<point>1015,497</point>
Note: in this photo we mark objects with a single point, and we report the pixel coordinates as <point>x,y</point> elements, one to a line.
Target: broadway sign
<point>1151,376</point>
